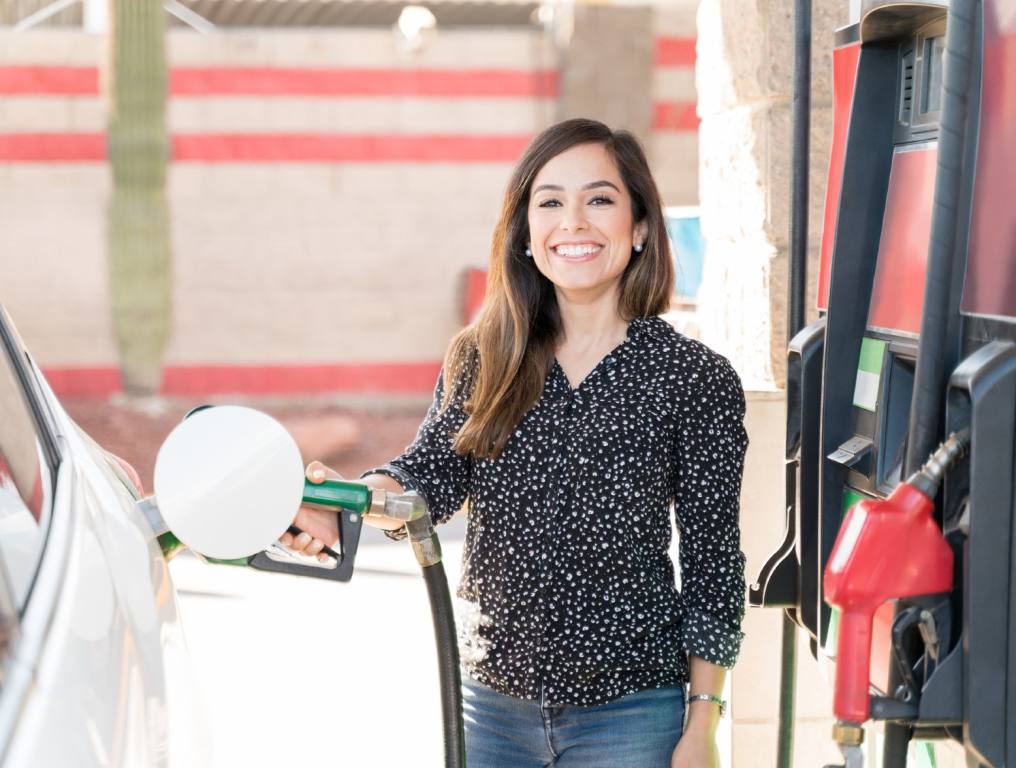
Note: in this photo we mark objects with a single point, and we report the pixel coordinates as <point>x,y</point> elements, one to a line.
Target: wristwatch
<point>709,697</point>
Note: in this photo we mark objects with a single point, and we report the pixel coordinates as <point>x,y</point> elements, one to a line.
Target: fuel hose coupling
<point>929,477</point>
<point>849,736</point>
<point>426,545</point>
<point>412,509</point>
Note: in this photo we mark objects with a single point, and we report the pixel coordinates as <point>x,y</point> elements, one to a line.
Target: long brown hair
<point>498,364</point>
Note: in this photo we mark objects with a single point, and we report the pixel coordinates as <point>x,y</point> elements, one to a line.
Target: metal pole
<point>797,284</point>
<point>788,679</point>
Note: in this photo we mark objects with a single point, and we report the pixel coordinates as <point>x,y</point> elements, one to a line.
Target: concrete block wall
<point>327,191</point>
<point>745,81</point>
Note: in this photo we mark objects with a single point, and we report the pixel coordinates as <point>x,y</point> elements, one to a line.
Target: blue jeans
<point>636,731</point>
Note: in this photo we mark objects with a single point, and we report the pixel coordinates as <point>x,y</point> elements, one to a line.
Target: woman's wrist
<point>703,718</point>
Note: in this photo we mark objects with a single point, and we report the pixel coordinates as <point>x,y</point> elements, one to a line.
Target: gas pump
<point>914,347</point>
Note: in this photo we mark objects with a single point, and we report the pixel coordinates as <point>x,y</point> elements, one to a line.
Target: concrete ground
<point>299,671</point>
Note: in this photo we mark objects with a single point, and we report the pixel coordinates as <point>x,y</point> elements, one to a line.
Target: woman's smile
<point>577,252</point>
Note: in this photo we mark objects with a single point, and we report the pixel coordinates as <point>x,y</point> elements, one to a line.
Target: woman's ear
<point>641,232</point>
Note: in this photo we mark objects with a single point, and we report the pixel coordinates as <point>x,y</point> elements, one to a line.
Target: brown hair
<point>499,363</point>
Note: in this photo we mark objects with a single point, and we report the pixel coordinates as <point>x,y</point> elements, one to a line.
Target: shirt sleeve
<point>429,465</point>
<point>712,444</point>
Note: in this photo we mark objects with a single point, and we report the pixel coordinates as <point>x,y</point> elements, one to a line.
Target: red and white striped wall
<point>673,143</point>
<point>327,195</point>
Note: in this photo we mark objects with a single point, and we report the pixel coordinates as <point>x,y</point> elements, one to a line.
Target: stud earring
<point>529,253</point>
<point>638,248</point>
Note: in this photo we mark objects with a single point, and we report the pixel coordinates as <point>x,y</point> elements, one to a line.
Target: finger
<point>286,539</point>
<point>316,472</point>
<point>314,547</point>
<point>301,542</point>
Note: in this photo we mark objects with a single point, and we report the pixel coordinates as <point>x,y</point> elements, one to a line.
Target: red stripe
<point>276,81</point>
<point>391,378</point>
<point>346,148</point>
<point>275,148</point>
<point>675,52</point>
<point>450,83</point>
<point>56,81</point>
<point>52,147</point>
<point>184,380</point>
<point>675,116</point>
<point>84,382</point>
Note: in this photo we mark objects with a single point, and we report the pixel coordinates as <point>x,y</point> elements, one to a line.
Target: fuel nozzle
<point>886,549</point>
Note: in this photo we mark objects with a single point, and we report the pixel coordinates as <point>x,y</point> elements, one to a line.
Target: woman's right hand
<point>319,527</point>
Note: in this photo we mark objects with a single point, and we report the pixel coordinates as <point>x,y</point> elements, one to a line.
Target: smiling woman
<point>587,190</point>
<point>575,421</point>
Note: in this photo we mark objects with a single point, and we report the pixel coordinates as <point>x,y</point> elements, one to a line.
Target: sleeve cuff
<point>711,638</point>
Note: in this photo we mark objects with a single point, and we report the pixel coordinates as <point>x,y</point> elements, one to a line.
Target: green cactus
<point>139,236</point>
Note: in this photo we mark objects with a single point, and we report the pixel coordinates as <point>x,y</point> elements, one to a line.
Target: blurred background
<point>289,203</point>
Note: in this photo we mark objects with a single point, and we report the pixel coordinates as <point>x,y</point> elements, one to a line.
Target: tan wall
<point>756,679</point>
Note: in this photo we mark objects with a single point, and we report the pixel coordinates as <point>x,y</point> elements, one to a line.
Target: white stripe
<point>453,49</point>
<point>359,115</point>
<point>675,18</point>
<point>54,47</point>
<point>45,114</point>
<point>674,84</point>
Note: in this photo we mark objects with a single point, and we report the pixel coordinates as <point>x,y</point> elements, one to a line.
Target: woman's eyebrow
<point>590,185</point>
<point>601,183</point>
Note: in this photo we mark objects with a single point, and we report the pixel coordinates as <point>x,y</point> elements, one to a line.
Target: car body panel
<point>99,675</point>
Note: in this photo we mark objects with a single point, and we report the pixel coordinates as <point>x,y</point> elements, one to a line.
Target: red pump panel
<point>844,74</point>
<point>991,267</point>
<point>897,297</point>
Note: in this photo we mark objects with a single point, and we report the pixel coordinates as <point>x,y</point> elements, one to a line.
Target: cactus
<point>139,237</point>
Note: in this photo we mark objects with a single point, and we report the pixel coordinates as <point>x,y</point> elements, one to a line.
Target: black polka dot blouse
<point>567,587</point>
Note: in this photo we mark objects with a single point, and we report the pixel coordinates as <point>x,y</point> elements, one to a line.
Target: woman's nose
<point>574,218</point>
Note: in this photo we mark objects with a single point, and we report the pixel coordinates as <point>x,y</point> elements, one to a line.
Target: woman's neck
<point>590,322</point>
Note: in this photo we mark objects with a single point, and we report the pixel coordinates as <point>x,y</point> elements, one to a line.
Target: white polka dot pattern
<point>566,568</point>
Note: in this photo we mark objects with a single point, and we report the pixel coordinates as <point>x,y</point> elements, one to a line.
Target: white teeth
<point>576,250</point>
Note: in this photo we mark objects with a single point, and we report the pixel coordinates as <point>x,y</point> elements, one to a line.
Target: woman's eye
<point>601,200</point>
<point>549,203</point>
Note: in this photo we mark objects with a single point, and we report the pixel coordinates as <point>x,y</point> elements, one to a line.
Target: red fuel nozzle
<point>885,549</point>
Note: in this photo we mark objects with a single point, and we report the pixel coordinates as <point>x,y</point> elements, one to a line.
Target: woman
<point>573,418</point>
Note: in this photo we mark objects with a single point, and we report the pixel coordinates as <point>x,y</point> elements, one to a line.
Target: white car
<point>94,668</point>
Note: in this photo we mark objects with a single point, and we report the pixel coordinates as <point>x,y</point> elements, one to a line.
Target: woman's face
<point>580,222</point>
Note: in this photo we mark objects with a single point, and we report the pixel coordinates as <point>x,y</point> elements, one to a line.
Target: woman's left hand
<point>696,750</point>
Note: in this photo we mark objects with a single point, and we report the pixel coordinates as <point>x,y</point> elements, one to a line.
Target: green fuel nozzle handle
<point>350,500</point>
<point>347,494</point>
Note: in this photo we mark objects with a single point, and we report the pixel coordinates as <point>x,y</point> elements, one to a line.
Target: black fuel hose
<point>938,348</point>
<point>448,664</point>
